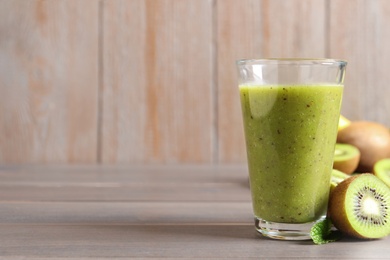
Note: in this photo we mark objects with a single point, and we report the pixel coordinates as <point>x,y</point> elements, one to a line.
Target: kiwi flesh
<point>360,207</point>
<point>337,177</point>
<point>371,138</point>
<point>346,158</point>
<point>343,122</point>
<point>382,170</point>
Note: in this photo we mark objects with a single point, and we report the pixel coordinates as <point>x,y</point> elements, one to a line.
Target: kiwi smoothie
<point>290,133</point>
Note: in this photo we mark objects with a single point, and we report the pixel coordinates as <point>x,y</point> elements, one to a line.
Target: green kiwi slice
<point>346,158</point>
<point>337,177</point>
<point>382,170</point>
<point>360,207</point>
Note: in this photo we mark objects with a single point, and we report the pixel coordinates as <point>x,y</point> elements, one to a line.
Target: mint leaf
<point>322,232</point>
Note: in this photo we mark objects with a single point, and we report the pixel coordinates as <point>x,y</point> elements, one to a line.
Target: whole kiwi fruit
<point>359,206</point>
<point>371,138</point>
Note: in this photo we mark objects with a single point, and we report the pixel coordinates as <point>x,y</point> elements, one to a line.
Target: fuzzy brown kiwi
<point>372,139</point>
<point>360,207</point>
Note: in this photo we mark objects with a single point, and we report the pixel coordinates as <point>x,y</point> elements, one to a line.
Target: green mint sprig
<point>322,232</point>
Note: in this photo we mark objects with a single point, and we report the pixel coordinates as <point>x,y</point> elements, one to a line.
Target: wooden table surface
<point>144,212</point>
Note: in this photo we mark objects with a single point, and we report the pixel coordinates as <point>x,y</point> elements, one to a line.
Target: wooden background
<point>154,81</point>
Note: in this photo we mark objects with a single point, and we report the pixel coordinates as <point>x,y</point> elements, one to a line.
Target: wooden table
<point>144,212</point>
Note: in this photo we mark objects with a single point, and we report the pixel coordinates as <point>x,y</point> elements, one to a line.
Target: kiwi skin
<point>337,211</point>
<point>371,138</point>
<point>348,165</point>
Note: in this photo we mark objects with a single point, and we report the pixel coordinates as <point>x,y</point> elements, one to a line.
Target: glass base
<point>284,231</point>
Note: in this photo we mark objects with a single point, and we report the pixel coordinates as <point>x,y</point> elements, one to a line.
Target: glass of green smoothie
<point>290,109</point>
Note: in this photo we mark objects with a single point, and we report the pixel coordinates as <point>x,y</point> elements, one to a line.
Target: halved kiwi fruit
<point>360,207</point>
<point>372,139</point>
<point>382,170</point>
<point>346,158</point>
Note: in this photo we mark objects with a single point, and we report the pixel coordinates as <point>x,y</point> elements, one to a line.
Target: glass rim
<point>292,61</point>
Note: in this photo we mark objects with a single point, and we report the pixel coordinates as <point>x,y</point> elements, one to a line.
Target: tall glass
<point>290,110</point>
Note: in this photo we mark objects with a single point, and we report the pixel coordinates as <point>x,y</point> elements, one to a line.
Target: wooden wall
<point>154,81</point>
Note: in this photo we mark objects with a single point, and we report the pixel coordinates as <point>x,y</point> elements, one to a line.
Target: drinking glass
<point>290,109</point>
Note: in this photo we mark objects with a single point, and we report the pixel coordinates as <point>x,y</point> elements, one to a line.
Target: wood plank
<point>359,33</point>
<point>126,192</point>
<point>259,29</point>
<point>48,81</point>
<point>121,183</point>
<point>125,213</point>
<point>157,74</point>
<point>180,228</point>
<point>78,175</point>
<point>171,241</point>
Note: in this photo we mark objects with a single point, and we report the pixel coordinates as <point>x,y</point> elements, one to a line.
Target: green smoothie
<point>290,134</point>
